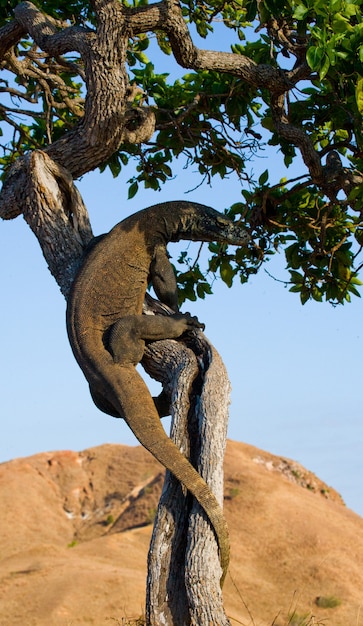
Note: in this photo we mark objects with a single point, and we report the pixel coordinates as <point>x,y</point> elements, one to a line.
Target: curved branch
<point>109,118</point>
<point>54,210</point>
<point>167,16</point>
<point>10,34</point>
<point>145,18</point>
<point>297,137</point>
<point>46,33</point>
<point>298,73</point>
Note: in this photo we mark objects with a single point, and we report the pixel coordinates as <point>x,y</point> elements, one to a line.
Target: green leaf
<point>316,294</point>
<point>341,24</point>
<point>133,189</point>
<point>314,57</point>
<point>325,67</point>
<point>114,165</point>
<point>263,178</point>
<point>304,296</point>
<point>124,158</point>
<point>353,290</point>
<point>251,10</point>
<point>141,57</point>
<point>296,277</point>
<point>335,6</point>
<point>203,289</point>
<point>359,95</point>
<point>226,272</point>
<point>300,12</point>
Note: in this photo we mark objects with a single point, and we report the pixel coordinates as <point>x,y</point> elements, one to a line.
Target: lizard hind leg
<point>124,340</point>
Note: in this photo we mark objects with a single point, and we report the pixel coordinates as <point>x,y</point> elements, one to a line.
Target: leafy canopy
<point>218,121</point>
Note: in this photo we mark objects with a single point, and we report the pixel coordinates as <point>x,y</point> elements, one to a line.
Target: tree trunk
<point>183,583</point>
<point>53,208</point>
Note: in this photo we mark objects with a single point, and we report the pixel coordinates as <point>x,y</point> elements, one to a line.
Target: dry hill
<point>75,529</point>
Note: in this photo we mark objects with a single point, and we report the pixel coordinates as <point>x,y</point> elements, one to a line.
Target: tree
<point>298,79</point>
<point>79,93</point>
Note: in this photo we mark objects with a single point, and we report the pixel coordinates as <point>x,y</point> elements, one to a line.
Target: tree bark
<point>183,585</point>
<point>53,208</point>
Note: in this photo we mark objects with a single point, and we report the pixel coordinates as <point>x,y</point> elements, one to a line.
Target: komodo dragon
<point>107,330</point>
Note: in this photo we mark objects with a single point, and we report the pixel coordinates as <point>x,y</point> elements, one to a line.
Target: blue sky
<point>295,371</point>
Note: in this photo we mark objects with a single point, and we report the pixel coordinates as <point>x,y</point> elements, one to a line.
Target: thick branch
<point>54,210</point>
<point>10,34</point>
<point>100,131</point>
<point>45,33</point>
<point>108,119</point>
<point>146,18</point>
<point>297,137</point>
<point>184,580</point>
<point>167,16</point>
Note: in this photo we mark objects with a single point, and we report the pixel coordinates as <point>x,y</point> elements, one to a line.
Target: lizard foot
<point>190,322</point>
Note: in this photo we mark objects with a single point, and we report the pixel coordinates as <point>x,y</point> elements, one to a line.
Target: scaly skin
<point>107,330</point>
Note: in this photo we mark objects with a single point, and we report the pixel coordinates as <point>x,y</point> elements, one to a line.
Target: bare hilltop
<point>75,529</point>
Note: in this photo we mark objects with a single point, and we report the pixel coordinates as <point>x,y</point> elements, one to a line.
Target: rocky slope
<point>75,529</point>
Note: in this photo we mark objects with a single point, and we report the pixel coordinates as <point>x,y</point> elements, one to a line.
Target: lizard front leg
<point>163,278</point>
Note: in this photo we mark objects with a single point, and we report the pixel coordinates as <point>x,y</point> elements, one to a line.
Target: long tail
<point>131,395</point>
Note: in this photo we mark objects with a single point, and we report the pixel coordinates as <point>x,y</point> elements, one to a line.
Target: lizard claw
<point>193,322</point>
<point>187,322</point>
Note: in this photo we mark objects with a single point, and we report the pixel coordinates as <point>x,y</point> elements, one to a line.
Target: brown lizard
<point>107,330</point>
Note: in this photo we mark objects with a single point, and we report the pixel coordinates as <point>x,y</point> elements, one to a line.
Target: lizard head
<point>198,222</point>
